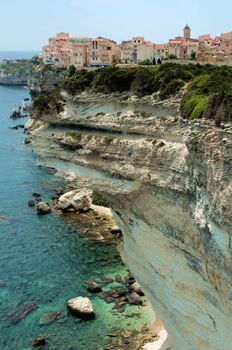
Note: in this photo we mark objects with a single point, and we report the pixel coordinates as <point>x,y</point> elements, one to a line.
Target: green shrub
<point>75,135</point>
<point>97,199</point>
<point>171,88</point>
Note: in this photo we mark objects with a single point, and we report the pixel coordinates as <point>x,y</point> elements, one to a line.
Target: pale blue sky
<point>26,24</point>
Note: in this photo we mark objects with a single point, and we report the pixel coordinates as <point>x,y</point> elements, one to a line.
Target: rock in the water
<point>115,230</point>
<point>27,140</point>
<point>106,279</point>
<point>36,194</point>
<point>118,279</point>
<point>48,318</point>
<point>31,204</point>
<point>19,315</point>
<point>81,308</point>
<point>39,341</point>
<point>16,127</point>
<point>2,284</point>
<point>93,287</point>
<point>135,287</point>
<point>79,200</point>
<point>129,278</point>
<point>43,208</point>
<point>134,299</point>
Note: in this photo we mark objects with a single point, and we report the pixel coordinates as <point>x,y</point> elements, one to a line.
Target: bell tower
<point>187,32</point>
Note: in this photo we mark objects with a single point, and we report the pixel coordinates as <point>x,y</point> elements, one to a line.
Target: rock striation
<point>169,183</point>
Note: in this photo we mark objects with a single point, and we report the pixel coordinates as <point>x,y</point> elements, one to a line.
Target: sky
<point>27,24</point>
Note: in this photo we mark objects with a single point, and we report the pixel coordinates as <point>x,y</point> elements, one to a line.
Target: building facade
<point>63,50</point>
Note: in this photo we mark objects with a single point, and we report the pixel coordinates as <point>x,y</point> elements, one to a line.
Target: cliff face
<point>14,79</point>
<point>44,79</point>
<point>173,203</point>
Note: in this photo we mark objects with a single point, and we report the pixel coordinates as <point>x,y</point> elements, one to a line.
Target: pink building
<point>103,52</point>
<point>63,50</point>
<point>216,49</point>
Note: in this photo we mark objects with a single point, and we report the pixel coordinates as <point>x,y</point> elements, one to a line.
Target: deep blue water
<point>17,54</point>
<point>43,259</point>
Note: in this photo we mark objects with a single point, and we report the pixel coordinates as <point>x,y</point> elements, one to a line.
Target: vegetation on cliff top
<point>53,103</point>
<point>167,79</point>
<point>209,95</point>
<point>208,89</point>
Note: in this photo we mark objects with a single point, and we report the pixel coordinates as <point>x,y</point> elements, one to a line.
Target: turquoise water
<point>43,260</point>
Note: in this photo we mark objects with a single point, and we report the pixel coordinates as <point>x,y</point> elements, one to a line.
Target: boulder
<point>31,203</point>
<point>135,287</point>
<point>43,208</point>
<point>39,341</point>
<point>134,299</point>
<point>79,200</point>
<point>115,229</point>
<point>81,308</point>
<point>93,287</point>
<point>129,278</point>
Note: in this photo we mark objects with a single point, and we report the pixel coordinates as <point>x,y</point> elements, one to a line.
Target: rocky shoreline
<point>96,224</point>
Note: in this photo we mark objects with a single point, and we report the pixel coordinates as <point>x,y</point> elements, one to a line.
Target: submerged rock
<point>2,283</point>
<point>43,208</point>
<point>81,308</point>
<point>93,287</point>
<point>48,318</point>
<point>106,279</point>
<point>39,341</point>
<point>31,203</point>
<point>19,315</point>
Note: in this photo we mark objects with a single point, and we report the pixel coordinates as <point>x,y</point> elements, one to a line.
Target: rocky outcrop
<point>169,184</point>
<point>43,208</point>
<point>78,200</point>
<point>43,79</point>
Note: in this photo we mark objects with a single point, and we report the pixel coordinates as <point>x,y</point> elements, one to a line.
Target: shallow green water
<point>43,260</point>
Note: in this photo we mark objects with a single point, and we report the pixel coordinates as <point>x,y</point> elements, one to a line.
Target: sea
<point>44,261</point>
<point>10,55</point>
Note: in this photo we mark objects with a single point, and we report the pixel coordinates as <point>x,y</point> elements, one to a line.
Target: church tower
<point>187,32</point>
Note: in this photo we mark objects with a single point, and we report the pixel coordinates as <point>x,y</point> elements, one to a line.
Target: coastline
<point>51,253</point>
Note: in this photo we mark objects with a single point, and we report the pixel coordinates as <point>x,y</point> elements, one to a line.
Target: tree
<point>71,70</point>
<point>146,62</point>
<point>172,57</point>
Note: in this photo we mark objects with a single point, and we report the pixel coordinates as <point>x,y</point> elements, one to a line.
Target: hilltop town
<point>64,50</point>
